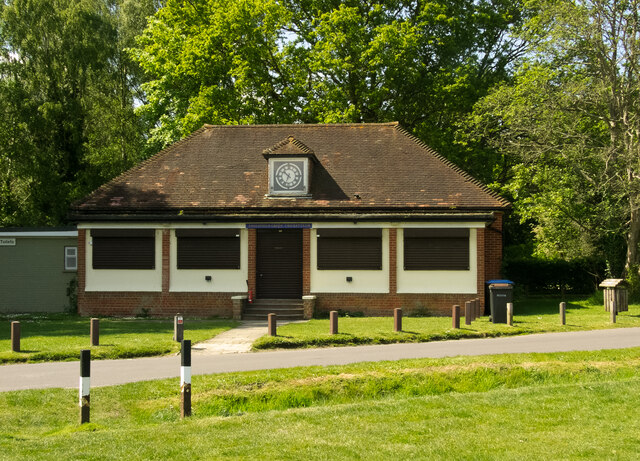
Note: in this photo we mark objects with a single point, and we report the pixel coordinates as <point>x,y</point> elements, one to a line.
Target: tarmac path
<point>110,372</point>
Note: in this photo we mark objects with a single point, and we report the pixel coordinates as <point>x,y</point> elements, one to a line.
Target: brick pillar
<point>82,265</point>
<point>251,253</point>
<point>393,267</point>
<point>306,262</point>
<point>238,306</point>
<point>308,305</point>
<point>493,247</point>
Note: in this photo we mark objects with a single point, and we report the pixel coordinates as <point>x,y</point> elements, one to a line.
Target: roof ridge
<point>140,165</point>
<point>454,167</point>
<point>300,125</point>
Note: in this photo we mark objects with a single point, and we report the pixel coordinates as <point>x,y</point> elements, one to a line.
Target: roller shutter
<point>123,248</point>
<point>436,249</point>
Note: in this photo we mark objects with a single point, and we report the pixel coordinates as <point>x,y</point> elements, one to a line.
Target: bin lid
<point>508,282</point>
<point>612,283</point>
<point>501,285</point>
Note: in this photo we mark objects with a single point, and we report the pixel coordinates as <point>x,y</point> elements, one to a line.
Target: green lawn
<point>578,405</point>
<point>62,337</point>
<point>531,315</point>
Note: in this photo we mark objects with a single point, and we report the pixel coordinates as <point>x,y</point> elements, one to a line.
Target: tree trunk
<point>633,238</point>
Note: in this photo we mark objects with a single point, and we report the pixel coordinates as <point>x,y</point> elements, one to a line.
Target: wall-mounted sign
<point>279,226</point>
<point>7,242</point>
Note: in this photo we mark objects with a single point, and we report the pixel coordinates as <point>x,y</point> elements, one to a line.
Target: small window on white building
<point>71,258</point>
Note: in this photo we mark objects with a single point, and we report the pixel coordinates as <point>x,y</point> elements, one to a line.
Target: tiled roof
<point>360,168</point>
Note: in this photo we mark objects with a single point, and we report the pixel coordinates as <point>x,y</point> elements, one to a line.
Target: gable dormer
<point>290,165</point>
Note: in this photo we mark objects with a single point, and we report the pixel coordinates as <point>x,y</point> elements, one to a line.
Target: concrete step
<point>285,309</point>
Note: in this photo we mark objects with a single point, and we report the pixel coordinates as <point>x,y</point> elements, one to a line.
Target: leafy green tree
<point>67,101</point>
<point>571,118</point>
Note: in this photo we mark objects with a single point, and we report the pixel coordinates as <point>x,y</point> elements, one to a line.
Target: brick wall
<point>383,304</point>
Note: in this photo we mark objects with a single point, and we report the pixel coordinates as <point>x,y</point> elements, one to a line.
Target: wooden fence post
<point>85,386</point>
<point>397,319</point>
<point>455,317</point>
<point>510,314</point>
<point>272,324</point>
<point>185,378</point>
<point>178,328</point>
<point>15,336</point>
<point>614,310</point>
<point>333,320</point>
<point>467,313</point>
<point>94,332</point>
<point>563,313</point>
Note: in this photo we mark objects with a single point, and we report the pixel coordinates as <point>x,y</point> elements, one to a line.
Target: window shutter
<point>208,248</point>
<point>436,249</point>
<point>349,249</point>
<point>123,248</point>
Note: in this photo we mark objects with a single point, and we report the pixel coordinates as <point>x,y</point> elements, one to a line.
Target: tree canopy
<point>571,118</point>
<point>67,91</point>
<point>423,64</point>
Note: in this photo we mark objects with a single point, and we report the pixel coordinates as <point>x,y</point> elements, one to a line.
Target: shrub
<point>536,275</point>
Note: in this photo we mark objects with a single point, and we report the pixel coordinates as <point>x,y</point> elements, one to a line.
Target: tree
<point>266,61</point>
<point>67,101</point>
<point>571,116</point>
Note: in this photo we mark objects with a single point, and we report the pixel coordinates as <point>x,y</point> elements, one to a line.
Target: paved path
<point>237,340</point>
<point>109,372</point>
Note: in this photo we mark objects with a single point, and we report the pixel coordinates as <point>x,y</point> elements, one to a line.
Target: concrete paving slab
<point>237,340</point>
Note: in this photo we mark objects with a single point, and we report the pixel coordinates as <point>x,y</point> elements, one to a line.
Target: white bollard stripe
<point>84,386</point>
<point>185,375</point>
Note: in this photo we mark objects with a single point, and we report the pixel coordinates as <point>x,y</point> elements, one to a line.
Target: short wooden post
<point>510,314</point>
<point>467,313</point>
<point>397,319</point>
<point>455,317</point>
<point>478,308</point>
<point>185,378</point>
<point>333,320</point>
<point>15,336</point>
<point>95,332</point>
<point>272,324</point>
<point>85,386</point>
<point>178,328</point>
<point>613,310</point>
<point>563,313</point>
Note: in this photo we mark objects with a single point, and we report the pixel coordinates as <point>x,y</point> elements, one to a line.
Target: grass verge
<point>60,337</point>
<point>535,406</point>
<point>532,315</point>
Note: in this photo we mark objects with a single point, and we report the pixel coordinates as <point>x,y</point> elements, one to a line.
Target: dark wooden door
<point>279,263</point>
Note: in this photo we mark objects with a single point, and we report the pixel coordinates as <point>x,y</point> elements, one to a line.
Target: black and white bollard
<point>185,378</point>
<point>85,385</point>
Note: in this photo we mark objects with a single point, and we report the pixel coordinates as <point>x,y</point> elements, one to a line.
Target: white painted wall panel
<point>458,282</point>
<point>222,280</point>
<point>123,279</point>
<point>364,281</point>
